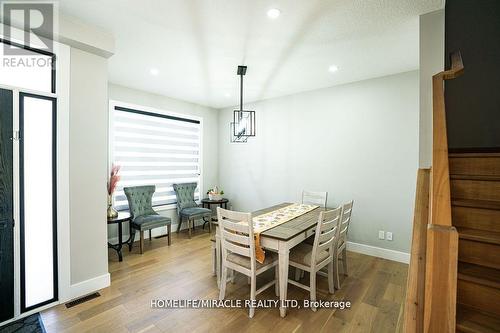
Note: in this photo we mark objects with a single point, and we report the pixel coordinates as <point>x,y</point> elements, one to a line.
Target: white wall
<point>431,62</point>
<point>88,170</point>
<point>357,141</point>
<point>210,137</point>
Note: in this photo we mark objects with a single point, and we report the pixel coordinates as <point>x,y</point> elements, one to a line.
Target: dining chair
<point>341,249</point>
<point>238,253</point>
<point>312,258</point>
<point>314,198</point>
<point>188,209</point>
<point>142,213</point>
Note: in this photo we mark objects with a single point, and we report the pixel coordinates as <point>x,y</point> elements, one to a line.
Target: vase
<point>112,213</point>
<point>215,196</point>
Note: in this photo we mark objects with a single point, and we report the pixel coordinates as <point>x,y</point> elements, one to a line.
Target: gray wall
<point>88,165</point>
<point>210,136</point>
<point>431,60</point>
<point>357,141</point>
<point>473,100</point>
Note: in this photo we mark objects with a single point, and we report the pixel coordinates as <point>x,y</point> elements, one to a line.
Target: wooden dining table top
<point>290,229</point>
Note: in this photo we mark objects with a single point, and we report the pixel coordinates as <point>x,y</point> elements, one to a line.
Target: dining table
<point>281,239</point>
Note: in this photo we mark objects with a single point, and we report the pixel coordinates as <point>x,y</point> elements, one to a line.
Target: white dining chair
<point>238,253</point>
<point>314,198</point>
<point>312,258</point>
<point>341,250</point>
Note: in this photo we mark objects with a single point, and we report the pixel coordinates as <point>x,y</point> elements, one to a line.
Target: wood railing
<point>415,290</point>
<point>432,277</point>
<point>440,209</point>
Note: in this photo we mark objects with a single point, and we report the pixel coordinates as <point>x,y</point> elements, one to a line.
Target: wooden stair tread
<point>479,274</point>
<point>494,178</point>
<point>476,154</point>
<point>472,321</point>
<point>479,235</point>
<point>486,204</point>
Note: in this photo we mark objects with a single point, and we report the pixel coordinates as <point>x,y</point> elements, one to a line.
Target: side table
<point>208,203</point>
<point>122,217</point>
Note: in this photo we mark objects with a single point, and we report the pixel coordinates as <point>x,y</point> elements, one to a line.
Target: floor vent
<point>82,300</point>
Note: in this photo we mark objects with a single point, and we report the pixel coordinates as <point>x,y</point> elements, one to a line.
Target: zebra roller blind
<point>154,149</point>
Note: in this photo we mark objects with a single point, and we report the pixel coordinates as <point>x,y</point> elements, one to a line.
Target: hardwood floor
<point>376,288</point>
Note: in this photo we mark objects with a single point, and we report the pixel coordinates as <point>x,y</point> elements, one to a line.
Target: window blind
<point>154,149</point>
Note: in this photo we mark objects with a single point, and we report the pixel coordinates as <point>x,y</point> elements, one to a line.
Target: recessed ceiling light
<point>227,95</point>
<point>154,71</point>
<point>273,13</point>
<point>333,69</point>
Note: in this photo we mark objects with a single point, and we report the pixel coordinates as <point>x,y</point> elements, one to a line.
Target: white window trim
<point>115,103</point>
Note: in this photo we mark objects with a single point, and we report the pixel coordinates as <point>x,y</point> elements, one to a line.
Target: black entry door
<point>6,208</point>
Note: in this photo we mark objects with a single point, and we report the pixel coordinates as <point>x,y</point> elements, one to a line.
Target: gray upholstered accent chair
<point>188,209</point>
<point>143,215</point>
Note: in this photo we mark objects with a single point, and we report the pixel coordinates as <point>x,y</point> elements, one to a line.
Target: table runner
<point>274,218</point>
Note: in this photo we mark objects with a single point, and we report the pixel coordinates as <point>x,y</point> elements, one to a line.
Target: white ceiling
<point>197,44</point>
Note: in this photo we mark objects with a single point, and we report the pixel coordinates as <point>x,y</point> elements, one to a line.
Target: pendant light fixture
<point>243,125</point>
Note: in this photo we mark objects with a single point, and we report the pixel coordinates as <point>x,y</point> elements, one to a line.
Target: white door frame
<point>62,53</point>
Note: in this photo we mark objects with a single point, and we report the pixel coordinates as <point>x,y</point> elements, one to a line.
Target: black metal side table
<point>122,217</point>
<point>208,203</point>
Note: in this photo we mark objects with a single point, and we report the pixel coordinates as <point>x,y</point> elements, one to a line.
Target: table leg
<point>283,275</point>
<point>120,241</point>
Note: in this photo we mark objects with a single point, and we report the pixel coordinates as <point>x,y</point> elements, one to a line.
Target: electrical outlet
<point>381,234</point>
<point>389,235</point>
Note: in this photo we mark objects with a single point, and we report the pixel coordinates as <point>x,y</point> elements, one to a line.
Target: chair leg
<point>298,273</point>
<point>142,242</point>
<point>331,285</point>
<point>277,279</point>
<point>232,276</point>
<point>218,260</point>
<point>344,261</point>
<point>209,225</point>
<point>223,282</point>
<point>253,286</point>
<point>179,225</point>
<point>131,240</point>
<point>168,235</point>
<point>189,228</point>
<point>249,280</point>
<point>312,282</point>
<point>150,238</point>
<point>214,259</point>
<point>336,267</point>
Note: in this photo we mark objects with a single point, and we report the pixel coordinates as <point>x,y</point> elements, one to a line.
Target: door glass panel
<point>37,200</point>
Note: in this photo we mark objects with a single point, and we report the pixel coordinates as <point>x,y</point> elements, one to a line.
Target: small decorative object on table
<point>215,193</point>
<point>114,178</point>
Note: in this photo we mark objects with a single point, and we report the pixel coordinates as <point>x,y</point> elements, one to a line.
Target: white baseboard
<point>379,252</point>
<point>155,232</point>
<point>89,286</point>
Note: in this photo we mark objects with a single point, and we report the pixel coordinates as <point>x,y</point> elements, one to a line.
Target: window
<point>38,200</point>
<point>154,148</point>
<point>35,71</point>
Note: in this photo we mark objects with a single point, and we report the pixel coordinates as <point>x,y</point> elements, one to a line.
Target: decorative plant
<point>114,178</point>
<point>215,190</point>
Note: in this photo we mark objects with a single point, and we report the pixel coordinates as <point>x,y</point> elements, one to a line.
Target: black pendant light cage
<point>243,125</point>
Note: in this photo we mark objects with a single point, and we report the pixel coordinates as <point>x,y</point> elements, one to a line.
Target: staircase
<point>475,194</point>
